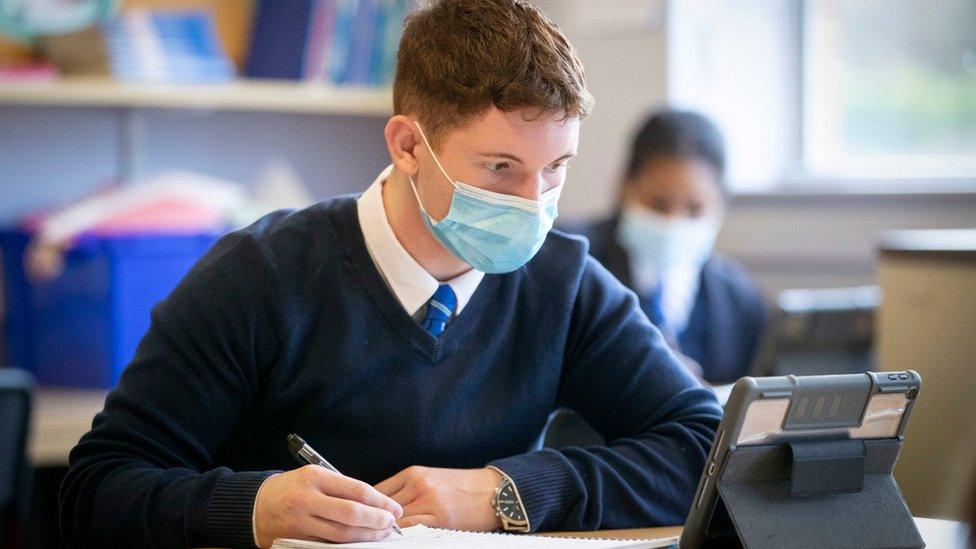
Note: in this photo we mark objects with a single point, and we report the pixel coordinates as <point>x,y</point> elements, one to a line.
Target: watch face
<point>508,504</point>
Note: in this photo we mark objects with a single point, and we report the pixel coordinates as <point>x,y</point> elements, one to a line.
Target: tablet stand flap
<point>827,467</point>
<point>756,487</point>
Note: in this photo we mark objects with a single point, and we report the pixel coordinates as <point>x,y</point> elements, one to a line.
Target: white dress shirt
<point>679,286</point>
<point>410,283</point>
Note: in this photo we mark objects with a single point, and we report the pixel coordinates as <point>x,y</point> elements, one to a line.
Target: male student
<point>660,240</point>
<point>418,336</point>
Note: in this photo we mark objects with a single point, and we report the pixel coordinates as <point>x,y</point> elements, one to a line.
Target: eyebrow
<point>519,160</point>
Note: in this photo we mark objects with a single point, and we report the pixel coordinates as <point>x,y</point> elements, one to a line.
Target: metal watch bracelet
<point>509,524</point>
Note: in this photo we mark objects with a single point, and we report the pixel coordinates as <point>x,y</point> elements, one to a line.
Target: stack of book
<point>339,42</point>
<point>145,46</point>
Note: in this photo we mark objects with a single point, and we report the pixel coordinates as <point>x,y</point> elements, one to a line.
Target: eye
<point>496,167</point>
<point>557,167</point>
<point>661,206</point>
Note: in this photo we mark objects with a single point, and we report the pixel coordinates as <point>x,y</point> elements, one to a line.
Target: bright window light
<point>889,88</point>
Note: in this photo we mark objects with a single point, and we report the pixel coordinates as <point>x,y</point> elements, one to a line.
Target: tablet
<point>770,411</point>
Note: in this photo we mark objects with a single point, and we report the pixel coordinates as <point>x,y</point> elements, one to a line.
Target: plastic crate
<point>82,328</point>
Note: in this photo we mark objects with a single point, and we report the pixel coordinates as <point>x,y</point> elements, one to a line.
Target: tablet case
<point>816,494</point>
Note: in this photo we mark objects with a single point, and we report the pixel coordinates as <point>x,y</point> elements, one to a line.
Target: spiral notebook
<point>422,536</point>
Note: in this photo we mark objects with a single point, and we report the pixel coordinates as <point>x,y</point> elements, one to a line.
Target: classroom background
<point>133,133</point>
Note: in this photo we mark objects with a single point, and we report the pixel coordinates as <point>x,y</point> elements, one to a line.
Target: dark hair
<point>458,58</point>
<point>677,133</point>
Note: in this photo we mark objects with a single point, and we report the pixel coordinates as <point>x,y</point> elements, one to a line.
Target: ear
<point>400,141</point>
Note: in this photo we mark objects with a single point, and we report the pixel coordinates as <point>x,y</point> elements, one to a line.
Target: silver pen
<point>306,454</point>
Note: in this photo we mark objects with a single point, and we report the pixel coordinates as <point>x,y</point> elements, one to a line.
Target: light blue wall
<point>54,155</point>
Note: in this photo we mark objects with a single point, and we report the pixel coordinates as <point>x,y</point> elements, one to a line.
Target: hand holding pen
<point>306,454</point>
<point>314,503</point>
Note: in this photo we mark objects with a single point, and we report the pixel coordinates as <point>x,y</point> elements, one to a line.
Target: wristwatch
<point>508,505</point>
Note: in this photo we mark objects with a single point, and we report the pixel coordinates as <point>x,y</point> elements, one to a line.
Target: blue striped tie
<point>440,308</point>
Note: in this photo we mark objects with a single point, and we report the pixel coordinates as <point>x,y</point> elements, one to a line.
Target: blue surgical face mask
<point>492,232</point>
<point>657,243</point>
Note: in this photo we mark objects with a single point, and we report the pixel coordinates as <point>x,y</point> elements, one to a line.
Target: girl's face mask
<point>659,243</point>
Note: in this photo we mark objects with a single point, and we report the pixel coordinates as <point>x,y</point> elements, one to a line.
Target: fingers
<point>413,520</point>
<point>407,496</point>
<point>346,488</point>
<point>405,486</point>
<point>427,507</point>
<point>351,513</point>
<point>393,484</point>
<point>329,530</point>
<point>313,502</point>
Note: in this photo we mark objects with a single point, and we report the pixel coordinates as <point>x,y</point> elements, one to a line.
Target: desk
<point>941,534</point>
<point>926,323</point>
<point>629,533</point>
<point>58,419</point>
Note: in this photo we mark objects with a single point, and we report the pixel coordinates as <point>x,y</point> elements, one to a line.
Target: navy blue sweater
<point>728,318</point>
<point>287,326</point>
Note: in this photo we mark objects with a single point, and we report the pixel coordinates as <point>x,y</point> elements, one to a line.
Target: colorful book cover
<point>328,17</point>
<point>279,38</point>
<point>363,42</point>
<point>316,45</point>
<point>327,39</point>
<point>384,58</point>
<point>383,13</point>
<point>341,40</point>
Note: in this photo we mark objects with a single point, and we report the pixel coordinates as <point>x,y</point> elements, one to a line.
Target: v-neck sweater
<point>287,327</point>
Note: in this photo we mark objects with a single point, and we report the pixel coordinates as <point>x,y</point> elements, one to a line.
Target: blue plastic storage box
<point>82,328</point>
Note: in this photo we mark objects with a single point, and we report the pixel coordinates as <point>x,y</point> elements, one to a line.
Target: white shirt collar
<point>411,284</point>
<point>679,286</point>
<point>680,291</point>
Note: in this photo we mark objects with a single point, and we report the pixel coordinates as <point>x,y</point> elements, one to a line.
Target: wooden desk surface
<point>629,533</point>
<point>944,534</point>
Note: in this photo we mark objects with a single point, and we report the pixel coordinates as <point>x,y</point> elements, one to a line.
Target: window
<point>832,95</point>
<point>889,88</point>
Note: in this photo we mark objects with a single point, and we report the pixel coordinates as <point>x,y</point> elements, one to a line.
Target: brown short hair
<point>458,58</point>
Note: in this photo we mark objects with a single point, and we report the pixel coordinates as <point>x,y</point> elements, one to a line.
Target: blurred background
<point>134,133</point>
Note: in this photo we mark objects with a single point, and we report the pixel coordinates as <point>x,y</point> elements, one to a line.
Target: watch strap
<point>506,522</point>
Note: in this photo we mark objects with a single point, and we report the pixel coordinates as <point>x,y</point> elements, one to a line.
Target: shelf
<point>242,95</point>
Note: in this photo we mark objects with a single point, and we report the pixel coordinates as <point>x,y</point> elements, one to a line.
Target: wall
<point>786,240</point>
<point>622,45</point>
<point>821,241</point>
<point>53,155</point>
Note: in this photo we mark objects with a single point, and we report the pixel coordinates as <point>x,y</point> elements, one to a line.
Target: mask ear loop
<point>434,155</point>
<point>413,187</point>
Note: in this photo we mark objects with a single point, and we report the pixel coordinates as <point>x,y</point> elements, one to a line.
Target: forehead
<point>678,174</point>
<point>524,133</point>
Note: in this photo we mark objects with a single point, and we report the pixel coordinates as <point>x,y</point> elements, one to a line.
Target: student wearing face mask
<point>418,335</point>
<point>660,241</point>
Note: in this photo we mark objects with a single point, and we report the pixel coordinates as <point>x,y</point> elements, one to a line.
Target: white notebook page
<point>422,536</point>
